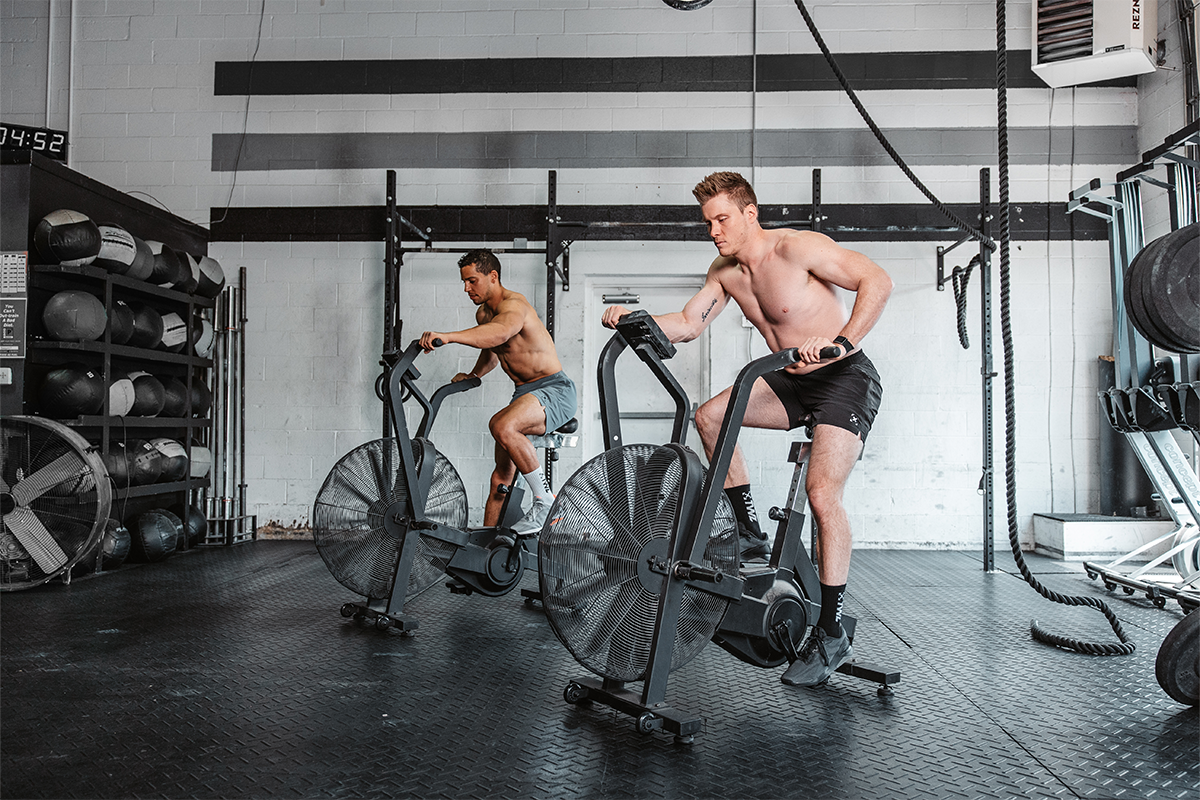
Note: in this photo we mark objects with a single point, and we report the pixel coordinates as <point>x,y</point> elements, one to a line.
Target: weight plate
<point>1137,278</point>
<point>1176,667</point>
<point>1173,287</point>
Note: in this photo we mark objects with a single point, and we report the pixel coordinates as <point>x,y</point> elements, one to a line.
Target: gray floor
<point>229,673</point>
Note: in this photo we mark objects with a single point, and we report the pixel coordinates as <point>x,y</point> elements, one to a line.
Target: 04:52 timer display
<point>50,143</point>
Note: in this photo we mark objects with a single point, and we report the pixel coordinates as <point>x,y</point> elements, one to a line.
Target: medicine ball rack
<point>1142,405</point>
<point>33,187</point>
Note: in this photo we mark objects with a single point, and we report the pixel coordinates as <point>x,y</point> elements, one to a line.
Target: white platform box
<point>1074,537</point>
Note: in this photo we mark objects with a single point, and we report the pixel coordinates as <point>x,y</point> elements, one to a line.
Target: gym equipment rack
<point>1143,411</point>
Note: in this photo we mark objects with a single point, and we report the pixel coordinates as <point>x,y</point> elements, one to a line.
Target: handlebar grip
<point>438,343</point>
<point>833,351</point>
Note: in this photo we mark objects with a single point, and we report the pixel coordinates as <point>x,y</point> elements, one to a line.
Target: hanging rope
<point>959,279</point>
<point>974,233</point>
<point>1010,436</point>
<point>1010,416</point>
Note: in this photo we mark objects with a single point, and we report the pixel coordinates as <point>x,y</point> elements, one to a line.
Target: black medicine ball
<point>143,261</point>
<point>117,249</point>
<point>67,237</point>
<point>170,269</point>
<point>193,273</point>
<point>201,398</point>
<point>148,395</point>
<point>154,535</point>
<point>114,547</point>
<point>211,278</point>
<point>175,461</point>
<point>71,390</point>
<point>74,316</point>
<point>120,322</point>
<point>145,462</point>
<point>175,398</point>
<point>147,326</point>
<point>116,462</point>
<point>194,525</point>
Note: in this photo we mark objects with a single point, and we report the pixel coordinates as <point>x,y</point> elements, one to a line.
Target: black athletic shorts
<point>846,393</point>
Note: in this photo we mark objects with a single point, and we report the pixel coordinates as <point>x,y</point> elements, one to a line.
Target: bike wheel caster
<point>1128,589</point>
<point>348,610</point>
<point>1109,586</point>
<point>383,623</point>
<point>1160,602</point>
<point>646,723</point>
<point>574,693</point>
<point>1091,575</point>
<point>885,691</point>
<point>688,739</point>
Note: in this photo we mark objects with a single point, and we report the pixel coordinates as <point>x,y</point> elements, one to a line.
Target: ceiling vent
<point>1084,41</point>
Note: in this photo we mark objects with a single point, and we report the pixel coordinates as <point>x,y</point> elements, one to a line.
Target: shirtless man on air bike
<point>784,282</point>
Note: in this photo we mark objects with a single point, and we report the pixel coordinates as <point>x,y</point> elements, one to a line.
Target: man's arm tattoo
<point>710,308</point>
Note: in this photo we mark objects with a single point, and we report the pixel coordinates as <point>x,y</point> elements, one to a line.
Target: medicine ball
<point>143,261</point>
<point>170,270</point>
<point>148,395</point>
<point>194,525</point>
<point>121,395</point>
<point>175,332</point>
<point>120,322</point>
<point>116,462</point>
<point>74,316</point>
<point>201,460</point>
<point>154,535</point>
<point>115,545</point>
<point>68,238</point>
<point>71,390</point>
<point>202,333</point>
<point>193,273</point>
<point>201,398</point>
<point>117,249</point>
<point>211,279</point>
<point>175,398</point>
<point>145,462</point>
<point>147,326</point>
<point>175,460</point>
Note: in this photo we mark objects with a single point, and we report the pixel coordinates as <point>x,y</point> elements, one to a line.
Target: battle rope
<point>974,233</point>
<point>1010,435</point>
<point>1010,416</point>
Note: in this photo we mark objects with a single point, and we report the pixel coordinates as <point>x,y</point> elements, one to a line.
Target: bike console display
<point>638,327</point>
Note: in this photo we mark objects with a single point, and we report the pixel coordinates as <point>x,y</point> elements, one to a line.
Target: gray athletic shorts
<point>556,393</point>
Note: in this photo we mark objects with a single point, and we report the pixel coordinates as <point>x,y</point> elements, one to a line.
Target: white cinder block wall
<point>133,80</point>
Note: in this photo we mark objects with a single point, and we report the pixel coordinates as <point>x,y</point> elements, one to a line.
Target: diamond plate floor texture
<point>229,673</point>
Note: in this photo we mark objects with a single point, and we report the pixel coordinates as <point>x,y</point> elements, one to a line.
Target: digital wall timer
<point>50,143</point>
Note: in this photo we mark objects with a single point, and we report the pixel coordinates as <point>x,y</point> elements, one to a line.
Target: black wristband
<point>845,343</point>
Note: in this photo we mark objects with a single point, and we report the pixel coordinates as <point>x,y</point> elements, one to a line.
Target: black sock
<point>831,609</point>
<point>743,509</point>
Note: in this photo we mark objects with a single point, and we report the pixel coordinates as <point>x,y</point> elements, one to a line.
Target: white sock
<point>538,486</point>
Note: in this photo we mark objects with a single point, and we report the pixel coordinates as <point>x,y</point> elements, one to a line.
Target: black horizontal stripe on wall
<point>801,72</point>
<point>816,147</point>
<point>874,222</point>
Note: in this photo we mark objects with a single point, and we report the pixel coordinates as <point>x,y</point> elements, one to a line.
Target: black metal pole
<point>985,291</point>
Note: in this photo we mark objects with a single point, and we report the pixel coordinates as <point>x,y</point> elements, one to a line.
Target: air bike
<point>391,518</point>
<point>639,560</point>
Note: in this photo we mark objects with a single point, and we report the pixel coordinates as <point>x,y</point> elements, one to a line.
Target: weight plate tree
<point>611,521</point>
<point>348,518</point>
<point>55,498</point>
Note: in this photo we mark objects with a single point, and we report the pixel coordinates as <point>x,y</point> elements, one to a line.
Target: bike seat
<point>570,426</point>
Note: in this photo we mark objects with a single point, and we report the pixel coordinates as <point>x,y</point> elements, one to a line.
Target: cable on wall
<point>262,13</point>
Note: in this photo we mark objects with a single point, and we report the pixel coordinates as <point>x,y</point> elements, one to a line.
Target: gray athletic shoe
<point>819,658</point>
<point>534,518</point>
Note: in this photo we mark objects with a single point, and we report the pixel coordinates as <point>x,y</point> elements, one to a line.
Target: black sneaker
<point>819,658</point>
<point>754,546</point>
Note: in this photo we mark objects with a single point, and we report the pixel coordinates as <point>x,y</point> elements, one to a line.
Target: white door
<point>647,410</point>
